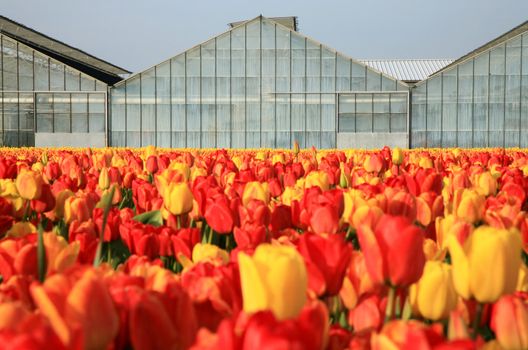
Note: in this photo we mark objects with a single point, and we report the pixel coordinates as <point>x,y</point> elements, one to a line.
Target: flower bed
<point>263,249</point>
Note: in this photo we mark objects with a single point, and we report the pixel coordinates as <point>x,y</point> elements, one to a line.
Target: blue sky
<point>138,34</point>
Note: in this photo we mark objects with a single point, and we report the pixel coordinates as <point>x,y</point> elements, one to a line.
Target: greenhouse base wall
<point>70,139</point>
<point>372,141</point>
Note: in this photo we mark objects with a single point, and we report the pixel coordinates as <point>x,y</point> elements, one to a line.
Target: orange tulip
<point>79,308</point>
<point>509,321</point>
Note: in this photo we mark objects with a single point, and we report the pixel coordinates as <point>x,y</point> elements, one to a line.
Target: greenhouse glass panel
<point>25,68</point>
<point>10,69</point>
<point>178,105</point>
<point>163,107</point>
<point>465,104</point>
<point>41,66</point>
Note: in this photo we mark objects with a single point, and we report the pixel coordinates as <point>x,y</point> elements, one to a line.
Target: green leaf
<point>120,252</point>
<point>106,204</point>
<point>106,199</point>
<point>153,218</point>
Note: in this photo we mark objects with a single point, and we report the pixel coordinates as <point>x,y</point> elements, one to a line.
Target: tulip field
<point>152,248</point>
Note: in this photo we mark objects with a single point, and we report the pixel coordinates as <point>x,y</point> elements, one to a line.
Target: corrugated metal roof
<point>408,69</point>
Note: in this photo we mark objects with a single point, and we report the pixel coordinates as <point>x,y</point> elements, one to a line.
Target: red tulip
<point>326,256</point>
<point>394,251</point>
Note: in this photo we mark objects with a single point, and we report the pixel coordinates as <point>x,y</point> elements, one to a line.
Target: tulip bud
<point>104,179</point>
<point>434,295</point>
<point>44,158</point>
<point>29,184</point>
<point>178,198</point>
<point>295,147</point>
<point>275,279</point>
<point>509,321</point>
<point>487,265</point>
<point>343,181</point>
<point>152,164</point>
<point>397,156</point>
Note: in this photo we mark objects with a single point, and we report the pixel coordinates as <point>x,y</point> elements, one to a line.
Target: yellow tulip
<point>104,179</point>
<point>291,194</point>
<point>353,199</point>
<point>275,279</point>
<point>397,156</point>
<point>317,178</point>
<point>178,198</point>
<point>487,265</point>
<point>20,229</point>
<point>277,158</point>
<point>209,252</point>
<point>256,190</point>
<point>434,295</point>
<point>471,205</point>
<point>29,184</point>
<point>486,184</point>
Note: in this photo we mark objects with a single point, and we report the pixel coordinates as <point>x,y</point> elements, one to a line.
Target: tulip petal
<point>372,253</point>
<point>253,290</point>
<point>460,267</point>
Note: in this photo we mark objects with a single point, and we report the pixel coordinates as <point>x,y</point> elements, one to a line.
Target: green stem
<point>476,321</point>
<point>41,254</point>
<point>26,212</point>
<point>109,252</point>
<point>178,220</point>
<point>398,310</point>
<point>107,203</point>
<point>191,223</point>
<point>390,304</point>
<point>210,237</point>
<point>228,242</point>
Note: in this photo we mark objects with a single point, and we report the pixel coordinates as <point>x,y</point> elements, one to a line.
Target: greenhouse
<point>262,84</point>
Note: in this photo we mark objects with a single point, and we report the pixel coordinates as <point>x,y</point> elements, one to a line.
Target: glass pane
<point>133,120</point>
<point>328,70</point>
<point>80,122</point>
<point>373,81</point>
<point>87,83</point>
<point>56,76</point>
<point>359,80</point>
<point>347,122</point>
<point>364,122</point>
<point>61,103</point>
<point>25,67</point>
<point>381,103</point>
<point>364,103</point>
<point>148,108</point>
<point>343,71</point>
<point>41,72</point>
<point>10,66</point>
<point>163,108</point>
<point>61,122</point>
<point>25,108</point>
<point>73,79</point>
<point>381,122</point>
<point>96,122</point>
